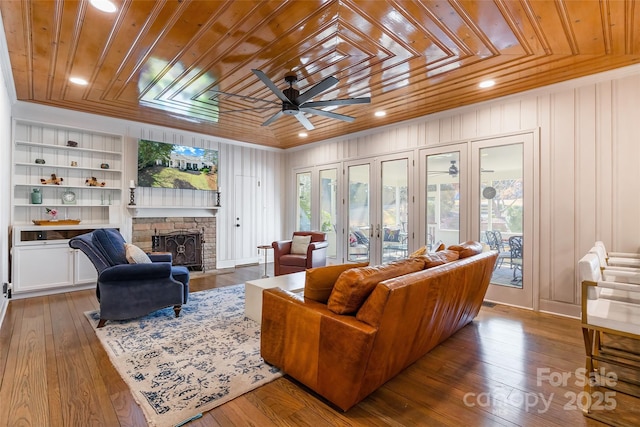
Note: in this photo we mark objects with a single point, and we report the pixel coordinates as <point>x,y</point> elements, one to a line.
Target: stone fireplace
<point>146,231</point>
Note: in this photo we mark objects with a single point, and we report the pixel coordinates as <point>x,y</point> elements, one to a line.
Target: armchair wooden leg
<point>101,323</point>
<point>176,309</point>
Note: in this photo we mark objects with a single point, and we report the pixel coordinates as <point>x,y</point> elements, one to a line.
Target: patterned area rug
<point>179,368</point>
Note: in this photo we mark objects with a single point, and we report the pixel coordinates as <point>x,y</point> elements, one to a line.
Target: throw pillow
<point>135,255</point>
<point>467,249</point>
<point>299,244</point>
<point>319,281</point>
<point>421,251</point>
<point>355,285</point>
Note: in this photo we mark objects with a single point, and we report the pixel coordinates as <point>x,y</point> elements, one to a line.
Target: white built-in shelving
<point>96,155</point>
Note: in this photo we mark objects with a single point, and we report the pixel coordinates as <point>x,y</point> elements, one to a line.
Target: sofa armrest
<point>160,257</point>
<point>281,247</point>
<point>128,272</point>
<point>323,350</point>
<point>317,245</point>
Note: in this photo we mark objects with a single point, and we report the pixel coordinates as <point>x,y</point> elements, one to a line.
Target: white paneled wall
<point>589,177</point>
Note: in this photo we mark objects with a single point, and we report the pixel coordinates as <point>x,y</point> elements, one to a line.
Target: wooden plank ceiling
<point>182,63</point>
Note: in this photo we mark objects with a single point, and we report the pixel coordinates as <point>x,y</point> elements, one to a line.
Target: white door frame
<point>528,295</point>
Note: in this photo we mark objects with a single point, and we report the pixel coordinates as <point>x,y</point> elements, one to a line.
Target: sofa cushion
<point>135,255</point>
<point>319,281</point>
<point>111,244</point>
<point>354,285</point>
<point>435,259</point>
<point>467,249</point>
<point>299,244</point>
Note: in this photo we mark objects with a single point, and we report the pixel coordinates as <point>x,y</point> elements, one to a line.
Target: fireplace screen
<point>186,247</point>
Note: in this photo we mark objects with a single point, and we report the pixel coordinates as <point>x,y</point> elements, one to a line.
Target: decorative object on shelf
<point>53,180</point>
<point>56,222</point>
<point>72,144</point>
<point>68,198</point>
<point>104,165</point>
<point>74,163</point>
<point>132,193</point>
<point>40,161</point>
<point>93,182</point>
<point>53,213</point>
<point>36,196</point>
<point>218,196</point>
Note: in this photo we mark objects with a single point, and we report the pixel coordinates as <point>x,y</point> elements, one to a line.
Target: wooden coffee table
<point>253,291</point>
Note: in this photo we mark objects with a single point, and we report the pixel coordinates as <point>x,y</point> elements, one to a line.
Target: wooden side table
<point>265,248</point>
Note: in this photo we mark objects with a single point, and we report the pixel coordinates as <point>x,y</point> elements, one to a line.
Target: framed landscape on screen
<point>164,165</point>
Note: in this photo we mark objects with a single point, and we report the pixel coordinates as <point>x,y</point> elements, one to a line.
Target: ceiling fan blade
<point>317,89</point>
<point>328,114</point>
<point>273,118</point>
<point>268,83</point>
<point>337,102</point>
<point>305,122</point>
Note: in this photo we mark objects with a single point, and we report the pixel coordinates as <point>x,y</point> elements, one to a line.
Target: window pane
<point>443,199</point>
<point>328,208</point>
<point>304,201</point>
<point>394,209</point>
<point>359,217</point>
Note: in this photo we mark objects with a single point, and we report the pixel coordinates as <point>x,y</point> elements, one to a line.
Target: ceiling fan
<point>296,104</point>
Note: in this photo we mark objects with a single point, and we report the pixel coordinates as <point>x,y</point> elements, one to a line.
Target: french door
<point>484,190</point>
<point>504,200</point>
<point>377,198</point>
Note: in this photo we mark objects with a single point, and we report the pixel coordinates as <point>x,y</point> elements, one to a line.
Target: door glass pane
<point>328,208</point>
<point>501,210</point>
<point>443,199</point>
<point>358,211</point>
<point>394,209</point>
<point>303,214</point>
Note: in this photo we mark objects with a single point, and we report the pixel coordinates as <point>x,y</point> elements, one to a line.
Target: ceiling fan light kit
<point>296,104</point>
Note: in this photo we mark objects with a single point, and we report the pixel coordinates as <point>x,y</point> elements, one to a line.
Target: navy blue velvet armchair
<point>127,291</point>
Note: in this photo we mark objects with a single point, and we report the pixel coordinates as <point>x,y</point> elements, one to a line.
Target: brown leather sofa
<point>285,262</point>
<point>392,315</point>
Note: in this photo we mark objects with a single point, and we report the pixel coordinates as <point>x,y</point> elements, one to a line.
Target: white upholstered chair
<point>621,259</point>
<point>610,312</point>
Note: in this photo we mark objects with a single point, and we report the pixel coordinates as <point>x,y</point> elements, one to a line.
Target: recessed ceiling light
<point>104,5</point>
<point>487,83</point>
<point>78,81</point>
<point>303,134</point>
<point>380,113</point>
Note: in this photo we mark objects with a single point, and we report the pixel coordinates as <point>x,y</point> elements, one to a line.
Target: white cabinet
<point>76,158</point>
<point>43,262</point>
<point>42,267</point>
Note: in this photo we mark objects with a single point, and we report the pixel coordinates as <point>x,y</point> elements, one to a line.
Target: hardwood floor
<point>55,373</point>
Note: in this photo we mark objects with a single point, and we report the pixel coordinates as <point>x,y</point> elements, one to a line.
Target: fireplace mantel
<point>170,211</point>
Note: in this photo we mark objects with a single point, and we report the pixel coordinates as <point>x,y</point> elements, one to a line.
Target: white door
<point>247,208</point>
<point>502,208</point>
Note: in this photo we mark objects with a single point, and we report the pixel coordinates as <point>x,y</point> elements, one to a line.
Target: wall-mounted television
<point>164,165</point>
